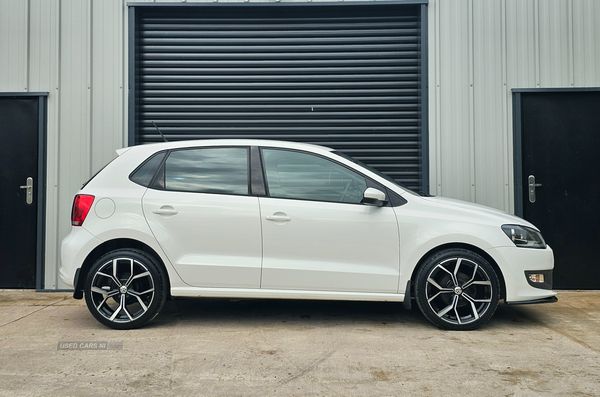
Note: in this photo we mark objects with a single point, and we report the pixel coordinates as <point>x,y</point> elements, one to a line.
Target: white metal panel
<point>14,22</point>
<point>522,48</point>
<point>455,81</point>
<point>556,45</point>
<point>106,81</point>
<point>489,91</point>
<point>586,39</point>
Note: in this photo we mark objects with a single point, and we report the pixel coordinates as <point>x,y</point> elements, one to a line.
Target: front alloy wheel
<point>457,289</point>
<point>125,289</point>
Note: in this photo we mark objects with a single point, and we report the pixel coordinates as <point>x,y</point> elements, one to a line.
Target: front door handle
<point>279,217</point>
<point>165,210</point>
<point>531,187</point>
<point>29,190</point>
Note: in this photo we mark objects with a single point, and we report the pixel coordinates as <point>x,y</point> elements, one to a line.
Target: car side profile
<point>269,219</point>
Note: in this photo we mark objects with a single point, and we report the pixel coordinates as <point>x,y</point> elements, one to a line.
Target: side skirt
<point>283,294</point>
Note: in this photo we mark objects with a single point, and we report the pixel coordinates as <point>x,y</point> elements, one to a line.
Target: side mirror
<point>375,197</point>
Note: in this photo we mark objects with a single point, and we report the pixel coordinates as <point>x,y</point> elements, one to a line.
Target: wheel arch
<point>469,247</point>
<point>112,245</point>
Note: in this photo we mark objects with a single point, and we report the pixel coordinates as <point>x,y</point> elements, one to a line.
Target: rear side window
<point>207,170</point>
<point>144,174</point>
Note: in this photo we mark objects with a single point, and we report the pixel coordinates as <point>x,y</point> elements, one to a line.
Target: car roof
<point>154,147</point>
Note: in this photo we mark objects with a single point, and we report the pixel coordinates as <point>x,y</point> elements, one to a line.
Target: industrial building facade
<point>445,96</point>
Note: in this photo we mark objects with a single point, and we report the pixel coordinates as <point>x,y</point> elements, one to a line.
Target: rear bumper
<point>78,293</point>
<point>74,249</point>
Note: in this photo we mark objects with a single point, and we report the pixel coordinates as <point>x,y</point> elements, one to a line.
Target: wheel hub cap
<point>123,289</point>
<point>458,290</point>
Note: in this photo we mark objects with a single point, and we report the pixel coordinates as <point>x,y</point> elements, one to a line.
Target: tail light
<point>81,206</point>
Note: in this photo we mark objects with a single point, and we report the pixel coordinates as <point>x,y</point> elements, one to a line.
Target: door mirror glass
<point>375,197</point>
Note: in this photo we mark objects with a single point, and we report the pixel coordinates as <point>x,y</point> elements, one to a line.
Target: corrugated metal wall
<point>478,51</point>
<point>74,50</point>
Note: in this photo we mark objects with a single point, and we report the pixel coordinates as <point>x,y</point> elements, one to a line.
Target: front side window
<point>305,176</point>
<point>207,170</point>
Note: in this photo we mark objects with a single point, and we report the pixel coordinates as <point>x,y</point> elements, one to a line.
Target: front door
<point>561,180</point>
<point>317,236</point>
<point>19,122</point>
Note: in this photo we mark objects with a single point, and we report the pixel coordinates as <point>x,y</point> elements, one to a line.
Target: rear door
<point>202,216</point>
<point>317,236</point>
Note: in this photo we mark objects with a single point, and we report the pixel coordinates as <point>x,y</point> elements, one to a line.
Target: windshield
<point>378,173</point>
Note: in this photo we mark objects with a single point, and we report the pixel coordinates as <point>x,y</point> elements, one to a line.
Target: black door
<point>19,121</point>
<point>561,150</point>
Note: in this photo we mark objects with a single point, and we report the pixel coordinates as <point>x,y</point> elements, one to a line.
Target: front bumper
<point>515,263</point>
<point>551,299</point>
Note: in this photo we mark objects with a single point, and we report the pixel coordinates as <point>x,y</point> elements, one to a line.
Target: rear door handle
<point>165,210</point>
<point>279,217</point>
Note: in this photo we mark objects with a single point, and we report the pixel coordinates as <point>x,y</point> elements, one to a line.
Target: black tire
<point>457,289</point>
<point>125,289</point>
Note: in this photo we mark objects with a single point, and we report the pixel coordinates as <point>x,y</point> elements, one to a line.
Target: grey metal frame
<point>518,135</point>
<point>40,191</point>
<point>424,100</point>
<point>424,83</point>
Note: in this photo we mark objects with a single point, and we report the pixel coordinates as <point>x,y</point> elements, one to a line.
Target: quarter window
<point>144,174</point>
<point>304,176</point>
<point>208,170</point>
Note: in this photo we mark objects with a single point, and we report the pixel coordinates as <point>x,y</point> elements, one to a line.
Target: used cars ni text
<point>269,219</point>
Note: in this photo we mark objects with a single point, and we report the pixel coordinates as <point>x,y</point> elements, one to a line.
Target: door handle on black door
<point>29,190</point>
<point>532,185</point>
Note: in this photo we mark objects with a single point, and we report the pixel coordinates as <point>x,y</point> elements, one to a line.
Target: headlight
<point>524,236</point>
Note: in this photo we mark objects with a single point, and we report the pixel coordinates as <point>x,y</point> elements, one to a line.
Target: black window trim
<point>258,181</point>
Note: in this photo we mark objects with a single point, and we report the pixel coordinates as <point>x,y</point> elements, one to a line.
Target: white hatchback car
<point>267,219</point>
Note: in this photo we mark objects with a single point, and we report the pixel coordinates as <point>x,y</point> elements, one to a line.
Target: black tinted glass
<point>208,170</point>
<point>145,173</point>
<point>308,177</point>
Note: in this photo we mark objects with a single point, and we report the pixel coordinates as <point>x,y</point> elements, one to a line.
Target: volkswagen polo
<point>268,219</point>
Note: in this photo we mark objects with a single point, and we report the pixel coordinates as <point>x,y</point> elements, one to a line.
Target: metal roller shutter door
<point>343,76</point>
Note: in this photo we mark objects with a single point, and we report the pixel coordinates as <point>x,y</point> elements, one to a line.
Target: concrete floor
<point>208,347</point>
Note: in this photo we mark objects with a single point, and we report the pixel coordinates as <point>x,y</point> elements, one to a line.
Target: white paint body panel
<point>329,247</point>
<point>213,240</point>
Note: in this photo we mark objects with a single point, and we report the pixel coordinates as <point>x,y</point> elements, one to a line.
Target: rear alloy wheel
<point>457,289</point>
<point>125,289</point>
